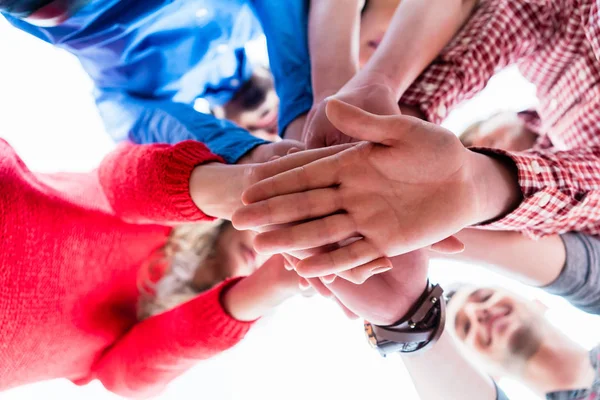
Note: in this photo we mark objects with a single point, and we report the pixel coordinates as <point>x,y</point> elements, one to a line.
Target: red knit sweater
<point>72,247</point>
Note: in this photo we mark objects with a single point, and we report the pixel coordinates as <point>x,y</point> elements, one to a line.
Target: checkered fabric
<point>556,45</point>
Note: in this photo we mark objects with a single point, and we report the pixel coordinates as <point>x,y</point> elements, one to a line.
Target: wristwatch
<point>418,330</point>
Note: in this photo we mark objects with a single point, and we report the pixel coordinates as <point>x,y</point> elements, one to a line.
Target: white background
<point>308,349</point>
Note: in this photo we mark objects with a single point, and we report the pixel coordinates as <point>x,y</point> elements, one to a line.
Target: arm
<point>498,33</point>
<point>151,183</point>
<point>417,34</point>
<point>444,372</point>
<point>285,25</point>
<point>533,262</point>
<point>333,41</point>
<point>164,121</point>
<point>162,347</point>
<point>565,265</point>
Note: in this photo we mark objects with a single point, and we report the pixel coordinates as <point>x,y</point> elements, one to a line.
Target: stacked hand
<point>410,187</point>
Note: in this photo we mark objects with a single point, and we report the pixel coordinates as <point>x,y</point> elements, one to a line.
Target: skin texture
<point>357,194</point>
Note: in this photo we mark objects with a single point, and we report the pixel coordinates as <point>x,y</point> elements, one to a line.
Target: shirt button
<point>537,169</point>
<point>553,104</point>
<point>582,75</point>
<point>441,111</point>
<point>235,82</point>
<point>465,41</point>
<point>201,13</point>
<point>544,200</point>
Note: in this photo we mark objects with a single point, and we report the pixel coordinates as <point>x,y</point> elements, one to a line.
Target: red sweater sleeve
<point>150,183</point>
<point>160,348</point>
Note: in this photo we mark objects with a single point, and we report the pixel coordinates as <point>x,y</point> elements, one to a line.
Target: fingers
<point>294,160</point>
<point>345,258</point>
<point>450,245</point>
<point>288,208</point>
<point>363,125</point>
<point>319,287</point>
<point>360,274</point>
<point>308,235</point>
<point>318,174</point>
<point>355,122</point>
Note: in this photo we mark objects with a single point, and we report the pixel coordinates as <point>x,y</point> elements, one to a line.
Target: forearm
<point>160,348</point>
<point>333,41</point>
<point>259,293</point>
<point>444,372</point>
<point>418,32</point>
<point>536,263</point>
<point>494,36</point>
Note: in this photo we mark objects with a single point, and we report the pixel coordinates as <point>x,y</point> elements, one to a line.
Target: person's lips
<point>497,324</point>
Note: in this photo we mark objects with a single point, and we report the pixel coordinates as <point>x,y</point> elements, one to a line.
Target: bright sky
<point>307,349</point>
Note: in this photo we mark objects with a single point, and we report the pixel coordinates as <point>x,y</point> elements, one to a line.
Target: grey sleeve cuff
<point>578,281</point>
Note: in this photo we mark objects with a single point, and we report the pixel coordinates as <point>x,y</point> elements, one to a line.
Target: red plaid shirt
<point>556,44</point>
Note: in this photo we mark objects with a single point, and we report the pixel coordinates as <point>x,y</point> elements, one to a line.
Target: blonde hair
<point>188,248</point>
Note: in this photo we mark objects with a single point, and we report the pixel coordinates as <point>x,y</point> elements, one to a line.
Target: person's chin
<point>523,340</point>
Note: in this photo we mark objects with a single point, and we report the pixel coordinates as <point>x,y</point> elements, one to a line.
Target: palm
<point>412,185</point>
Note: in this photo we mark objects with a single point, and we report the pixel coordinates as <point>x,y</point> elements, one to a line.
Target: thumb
<point>358,123</point>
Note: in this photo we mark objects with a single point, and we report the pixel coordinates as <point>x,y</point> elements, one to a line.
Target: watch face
<point>370,334</point>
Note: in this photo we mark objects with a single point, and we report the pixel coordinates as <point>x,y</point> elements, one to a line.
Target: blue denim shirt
<point>150,60</point>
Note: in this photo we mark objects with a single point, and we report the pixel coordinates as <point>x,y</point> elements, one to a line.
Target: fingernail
<point>380,270</point>
<point>328,279</point>
<point>303,284</point>
<point>293,150</point>
<point>288,266</point>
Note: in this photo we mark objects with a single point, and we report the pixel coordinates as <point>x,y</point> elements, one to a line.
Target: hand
<point>375,98</point>
<point>279,279</point>
<point>259,293</point>
<point>265,152</point>
<point>414,187</point>
<point>217,188</point>
<point>385,298</point>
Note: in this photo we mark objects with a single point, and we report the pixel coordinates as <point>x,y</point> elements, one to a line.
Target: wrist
<point>295,128</point>
<point>209,193</point>
<point>495,187</point>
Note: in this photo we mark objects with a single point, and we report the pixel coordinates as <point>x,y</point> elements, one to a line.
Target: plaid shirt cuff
<point>552,202</point>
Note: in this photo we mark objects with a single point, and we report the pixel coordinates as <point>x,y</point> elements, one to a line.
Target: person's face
<point>504,131</point>
<point>375,20</point>
<point>504,329</point>
<point>235,252</point>
<point>255,106</point>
